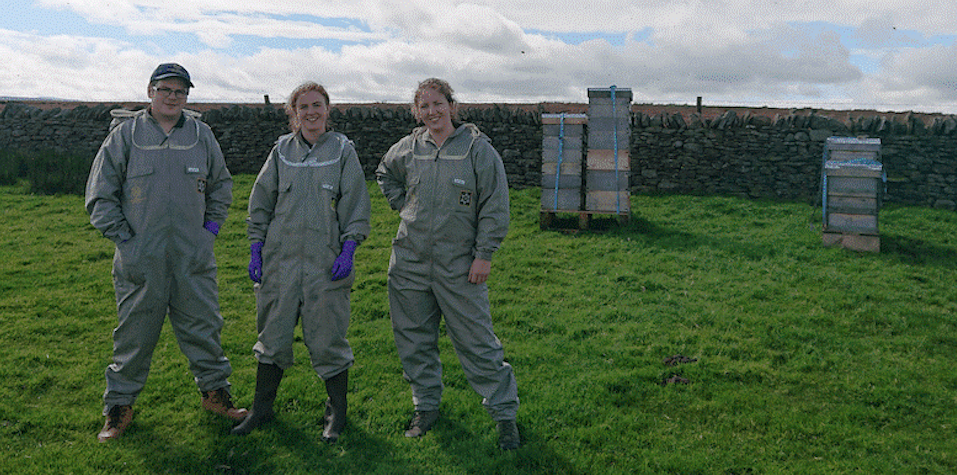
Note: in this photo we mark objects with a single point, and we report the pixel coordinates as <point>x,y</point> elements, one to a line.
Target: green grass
<point>809,359</point>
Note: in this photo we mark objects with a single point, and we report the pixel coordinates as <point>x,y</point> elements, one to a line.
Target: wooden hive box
<point>606,180</point>
<point>607,202</point>
<point>601,103</point>
<point>561,199</point>
<point>604,159</point>
<point>571,150</point>
<point>852,202</point>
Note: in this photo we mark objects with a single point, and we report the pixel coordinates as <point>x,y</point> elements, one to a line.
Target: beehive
<point>852,189</point>
<point>609,140</point>
<point>562,151</point>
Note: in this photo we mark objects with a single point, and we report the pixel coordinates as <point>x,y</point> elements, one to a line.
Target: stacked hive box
<point>852,186</point>
<point>562,136</point>
<point>608,165</point>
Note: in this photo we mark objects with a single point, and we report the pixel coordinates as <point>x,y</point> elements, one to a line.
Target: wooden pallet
<point>548,217</point>
<point>853,241</point>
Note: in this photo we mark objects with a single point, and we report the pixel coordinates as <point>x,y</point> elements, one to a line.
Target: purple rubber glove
<point>342,267</point>
<point>212,226</point>
<point>256,262</point>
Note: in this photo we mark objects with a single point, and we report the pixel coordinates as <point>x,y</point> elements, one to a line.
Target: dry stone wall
<point>744,155</point>
<point>781,157</point>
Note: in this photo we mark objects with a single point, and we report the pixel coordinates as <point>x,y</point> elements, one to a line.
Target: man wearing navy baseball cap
<point>160,190</point>
<point>171,70</point>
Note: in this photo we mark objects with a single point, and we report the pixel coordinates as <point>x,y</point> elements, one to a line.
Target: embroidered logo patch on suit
<point>465,198</point>
<point>136,195</point>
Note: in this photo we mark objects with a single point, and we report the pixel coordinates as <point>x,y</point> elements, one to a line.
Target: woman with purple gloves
<point>308,211</point>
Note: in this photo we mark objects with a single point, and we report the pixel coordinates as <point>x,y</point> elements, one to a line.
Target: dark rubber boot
<point>336,407</point>
<point>267,384</point>
<point>508,438</point>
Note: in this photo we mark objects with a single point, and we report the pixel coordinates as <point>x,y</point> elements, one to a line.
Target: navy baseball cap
<point>170,70</point>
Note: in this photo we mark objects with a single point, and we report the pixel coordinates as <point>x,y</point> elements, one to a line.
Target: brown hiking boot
<point>422,421</point>
<point>220,402</point>
<point>118,418</point>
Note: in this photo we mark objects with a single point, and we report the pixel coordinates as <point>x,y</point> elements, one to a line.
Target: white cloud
<point>932,16</point>
<point>924,75</point>
<point>214,22</point>
<point>724,50</point>
<point>881,32</point>
<point>70,67</point>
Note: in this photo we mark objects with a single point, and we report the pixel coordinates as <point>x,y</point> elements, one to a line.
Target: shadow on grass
<point>914,251</point>
<point>277,447</point>
<point>533,457</point>
<point>907,249</point>
<point>290,447</point>
<point>664,237</point>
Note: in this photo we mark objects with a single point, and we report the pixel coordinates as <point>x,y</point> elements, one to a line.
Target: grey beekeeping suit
<point>150,193</point>
<point>307,201</point>
<point>453,202</point>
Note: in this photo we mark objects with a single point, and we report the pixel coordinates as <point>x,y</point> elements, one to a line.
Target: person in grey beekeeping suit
<point>308,212</point>
<point>448,184</point>
<point>160,190</point>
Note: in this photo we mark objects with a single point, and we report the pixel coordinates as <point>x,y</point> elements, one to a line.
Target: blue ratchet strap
<point>561,141</point>
<point>824,189</point>
<point>614,115</point>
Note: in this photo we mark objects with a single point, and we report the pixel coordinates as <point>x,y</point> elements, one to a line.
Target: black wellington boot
<point>336,407</point>
<point>267,384</point>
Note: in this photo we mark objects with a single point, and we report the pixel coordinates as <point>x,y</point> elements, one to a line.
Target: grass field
<point>806,359</point>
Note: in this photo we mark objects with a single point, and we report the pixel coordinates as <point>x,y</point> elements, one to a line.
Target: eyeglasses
<point>167,92</point>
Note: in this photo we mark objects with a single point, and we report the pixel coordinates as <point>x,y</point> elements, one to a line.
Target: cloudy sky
<point>829,54</point>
